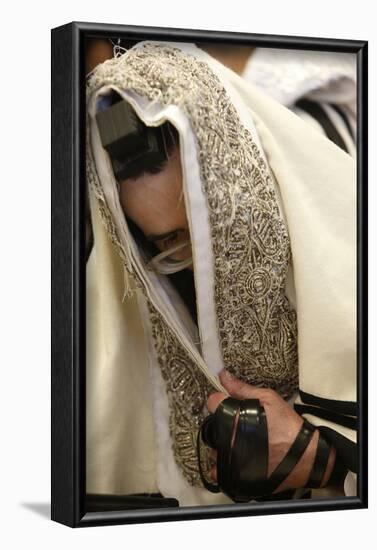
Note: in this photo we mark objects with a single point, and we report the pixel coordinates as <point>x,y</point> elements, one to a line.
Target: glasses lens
<point>164,263</point>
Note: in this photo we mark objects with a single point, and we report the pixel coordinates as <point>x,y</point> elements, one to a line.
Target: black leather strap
<point>216,432</point>
<point>241,467</point>
<point>225,416</point>
<point>316,110</point>
<point>338,474</point>
<point>242,464</point>
<point>320,463</point>
<point>249,456</point>
<point>294,454</point>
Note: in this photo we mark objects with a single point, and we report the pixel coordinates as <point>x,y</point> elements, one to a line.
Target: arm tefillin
<point>242,467</point>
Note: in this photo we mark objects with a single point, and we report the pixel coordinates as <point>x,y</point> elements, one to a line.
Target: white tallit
<point>134,444</point>
<point>288,75</point>
<point>327,78</point>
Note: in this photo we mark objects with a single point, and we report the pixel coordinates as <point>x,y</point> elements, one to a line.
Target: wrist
<point>299,476</point>
<point>305,469</point>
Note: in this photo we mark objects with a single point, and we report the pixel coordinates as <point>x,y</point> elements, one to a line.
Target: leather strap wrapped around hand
<point>238,432</point>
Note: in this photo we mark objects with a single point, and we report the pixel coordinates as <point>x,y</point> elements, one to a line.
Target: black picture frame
<point>68,504</point>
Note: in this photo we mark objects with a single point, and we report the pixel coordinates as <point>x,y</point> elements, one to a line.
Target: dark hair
<point>171,141</point>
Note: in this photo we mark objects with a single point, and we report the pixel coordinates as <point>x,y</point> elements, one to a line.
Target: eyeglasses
<point>166,265</point>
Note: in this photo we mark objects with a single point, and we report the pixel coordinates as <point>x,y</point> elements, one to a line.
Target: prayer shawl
<point>320,87</point>
<point>271,210</point>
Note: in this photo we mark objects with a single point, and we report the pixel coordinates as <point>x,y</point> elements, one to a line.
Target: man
<point>235,215</point>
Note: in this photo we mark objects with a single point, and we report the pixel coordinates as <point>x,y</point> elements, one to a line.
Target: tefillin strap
<point>238,432</point>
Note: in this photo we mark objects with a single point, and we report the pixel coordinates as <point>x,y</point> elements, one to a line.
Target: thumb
<point>237,388</point>
<point>214,401</point>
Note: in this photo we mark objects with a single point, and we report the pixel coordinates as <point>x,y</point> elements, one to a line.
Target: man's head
<point>154,202</point>
<point>146,162</point>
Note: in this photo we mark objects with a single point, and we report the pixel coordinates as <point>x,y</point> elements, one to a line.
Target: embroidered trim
<point>187,390</point>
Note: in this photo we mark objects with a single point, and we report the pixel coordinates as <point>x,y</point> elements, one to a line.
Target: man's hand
<point>283,426</point>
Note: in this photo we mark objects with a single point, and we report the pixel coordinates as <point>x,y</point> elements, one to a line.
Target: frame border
<point>68,434</point>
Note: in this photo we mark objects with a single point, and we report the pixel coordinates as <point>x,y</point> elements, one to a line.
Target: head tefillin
<point>133,147</point>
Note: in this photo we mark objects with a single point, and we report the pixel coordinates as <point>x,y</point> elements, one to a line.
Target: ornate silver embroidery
<point>257,326</point>
<point>187,390</point>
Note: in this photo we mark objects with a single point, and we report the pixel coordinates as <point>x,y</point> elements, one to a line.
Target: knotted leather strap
<point>238,431</point>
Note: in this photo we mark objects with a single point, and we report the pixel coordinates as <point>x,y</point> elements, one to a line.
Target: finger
<point>237,388</point>
<point>214,401</point>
